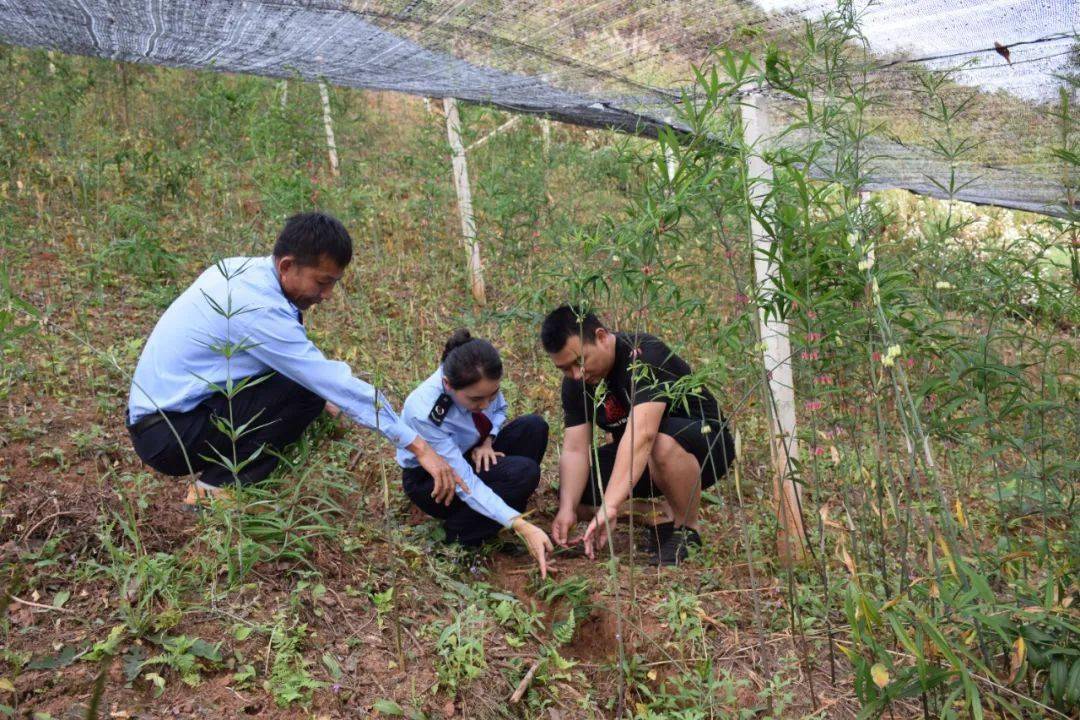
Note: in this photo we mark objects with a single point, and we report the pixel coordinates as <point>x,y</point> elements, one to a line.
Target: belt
<point>146,422</point>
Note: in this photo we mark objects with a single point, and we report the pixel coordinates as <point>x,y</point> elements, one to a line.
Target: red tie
<point>483,425</point>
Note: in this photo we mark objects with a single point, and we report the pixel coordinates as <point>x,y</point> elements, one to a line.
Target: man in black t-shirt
<point>669,437</point>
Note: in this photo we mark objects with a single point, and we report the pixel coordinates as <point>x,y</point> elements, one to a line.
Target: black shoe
<point>655,536</point>
<point>511,549</point>
<point>677,546</point>
<point>507,547</point>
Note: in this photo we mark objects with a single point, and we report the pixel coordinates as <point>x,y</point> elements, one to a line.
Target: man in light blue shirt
<point>241,324</point>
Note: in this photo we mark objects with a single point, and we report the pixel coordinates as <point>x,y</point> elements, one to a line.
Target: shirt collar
<point>277,287</point>
<point>623,347</point>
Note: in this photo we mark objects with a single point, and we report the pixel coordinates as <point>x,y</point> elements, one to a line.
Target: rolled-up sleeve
<point>480,498</point>
<point>280,342</point>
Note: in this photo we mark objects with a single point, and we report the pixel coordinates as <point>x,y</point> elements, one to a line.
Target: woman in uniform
<point>460,411</point>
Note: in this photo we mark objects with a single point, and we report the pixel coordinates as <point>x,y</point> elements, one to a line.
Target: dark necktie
<point>483,425</point>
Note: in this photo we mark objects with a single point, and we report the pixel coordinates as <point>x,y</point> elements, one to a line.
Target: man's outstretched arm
<point>631,459</point>
<point>573,477</point>
<point>281,343</point>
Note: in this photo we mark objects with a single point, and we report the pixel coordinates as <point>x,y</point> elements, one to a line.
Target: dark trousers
<point>714,451</point>
<point>514,479</point>
<point>278,408</point>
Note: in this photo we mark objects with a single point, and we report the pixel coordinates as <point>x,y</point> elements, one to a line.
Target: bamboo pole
<point>871,250</point>
<point>776,347</point>
<point>464,195</point>
<point>328,123</point>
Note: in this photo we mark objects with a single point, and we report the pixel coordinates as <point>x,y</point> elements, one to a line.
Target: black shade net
<point>622,64</point>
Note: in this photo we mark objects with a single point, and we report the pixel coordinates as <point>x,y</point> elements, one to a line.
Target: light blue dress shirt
<point>451,439</point>
<point>183,354</point>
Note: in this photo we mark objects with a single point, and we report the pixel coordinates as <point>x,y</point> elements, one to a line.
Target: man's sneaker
<point>677,546</point>
<point>655,536</point>
<point>200,494</point>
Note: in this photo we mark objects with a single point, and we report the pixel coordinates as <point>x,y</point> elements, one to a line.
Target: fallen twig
<point>28,603</point>
<point>526,681</point>
<point>47,518</point>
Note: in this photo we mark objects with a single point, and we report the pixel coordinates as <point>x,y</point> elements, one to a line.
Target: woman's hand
<point>484,456</point>
<point>536,540</point>
<point>596,534</point>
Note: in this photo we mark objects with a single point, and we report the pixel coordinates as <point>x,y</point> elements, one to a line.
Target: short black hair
<point>311,235</point>
<point>565,322</point>
<point>467,360</point>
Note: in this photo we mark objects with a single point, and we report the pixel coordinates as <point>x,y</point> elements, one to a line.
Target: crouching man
<point>241,324</point>
<point>665,442</point>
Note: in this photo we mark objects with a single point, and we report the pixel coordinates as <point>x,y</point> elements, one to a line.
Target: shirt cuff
<point>506,517</point>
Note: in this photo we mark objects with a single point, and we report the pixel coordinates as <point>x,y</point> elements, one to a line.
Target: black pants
<point>279,409</point>
<point>714,451</point>
<point>514,479</point>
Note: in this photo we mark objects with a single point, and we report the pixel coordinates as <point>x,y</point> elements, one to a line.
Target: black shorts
<point>714,450</point>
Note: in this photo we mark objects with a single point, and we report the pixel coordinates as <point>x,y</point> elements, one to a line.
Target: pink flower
<point>813,336</point>
<point>818,450</point>
<point>813,405</point>
<point>809,355</point>
<point>823,380</point>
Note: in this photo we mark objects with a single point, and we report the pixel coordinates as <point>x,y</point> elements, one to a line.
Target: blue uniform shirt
<point>180,360</point>
<point>451,439</point>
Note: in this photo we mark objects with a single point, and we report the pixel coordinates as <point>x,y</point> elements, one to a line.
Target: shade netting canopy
<point>625,64</point>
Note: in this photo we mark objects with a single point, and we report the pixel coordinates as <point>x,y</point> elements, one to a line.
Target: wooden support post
<point>502,128</point>
<point>464,195</point>
<point>328,122</point>
<point>427,104</point>
<point>776,348</point>
<point>283,86</point>
<point>670,162</point>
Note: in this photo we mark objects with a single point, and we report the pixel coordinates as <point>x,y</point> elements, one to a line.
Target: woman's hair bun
<point>465,360</point>
<point>457,339</point>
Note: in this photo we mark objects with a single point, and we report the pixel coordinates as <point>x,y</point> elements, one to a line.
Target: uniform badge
<point>440,408</point>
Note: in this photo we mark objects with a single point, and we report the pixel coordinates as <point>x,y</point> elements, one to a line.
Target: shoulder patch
<point>440,408</point>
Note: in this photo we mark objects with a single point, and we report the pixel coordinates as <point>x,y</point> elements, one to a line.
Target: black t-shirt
<point>656,368</point>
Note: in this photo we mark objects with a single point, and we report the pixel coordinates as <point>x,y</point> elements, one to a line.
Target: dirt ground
<point>62,501</point>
